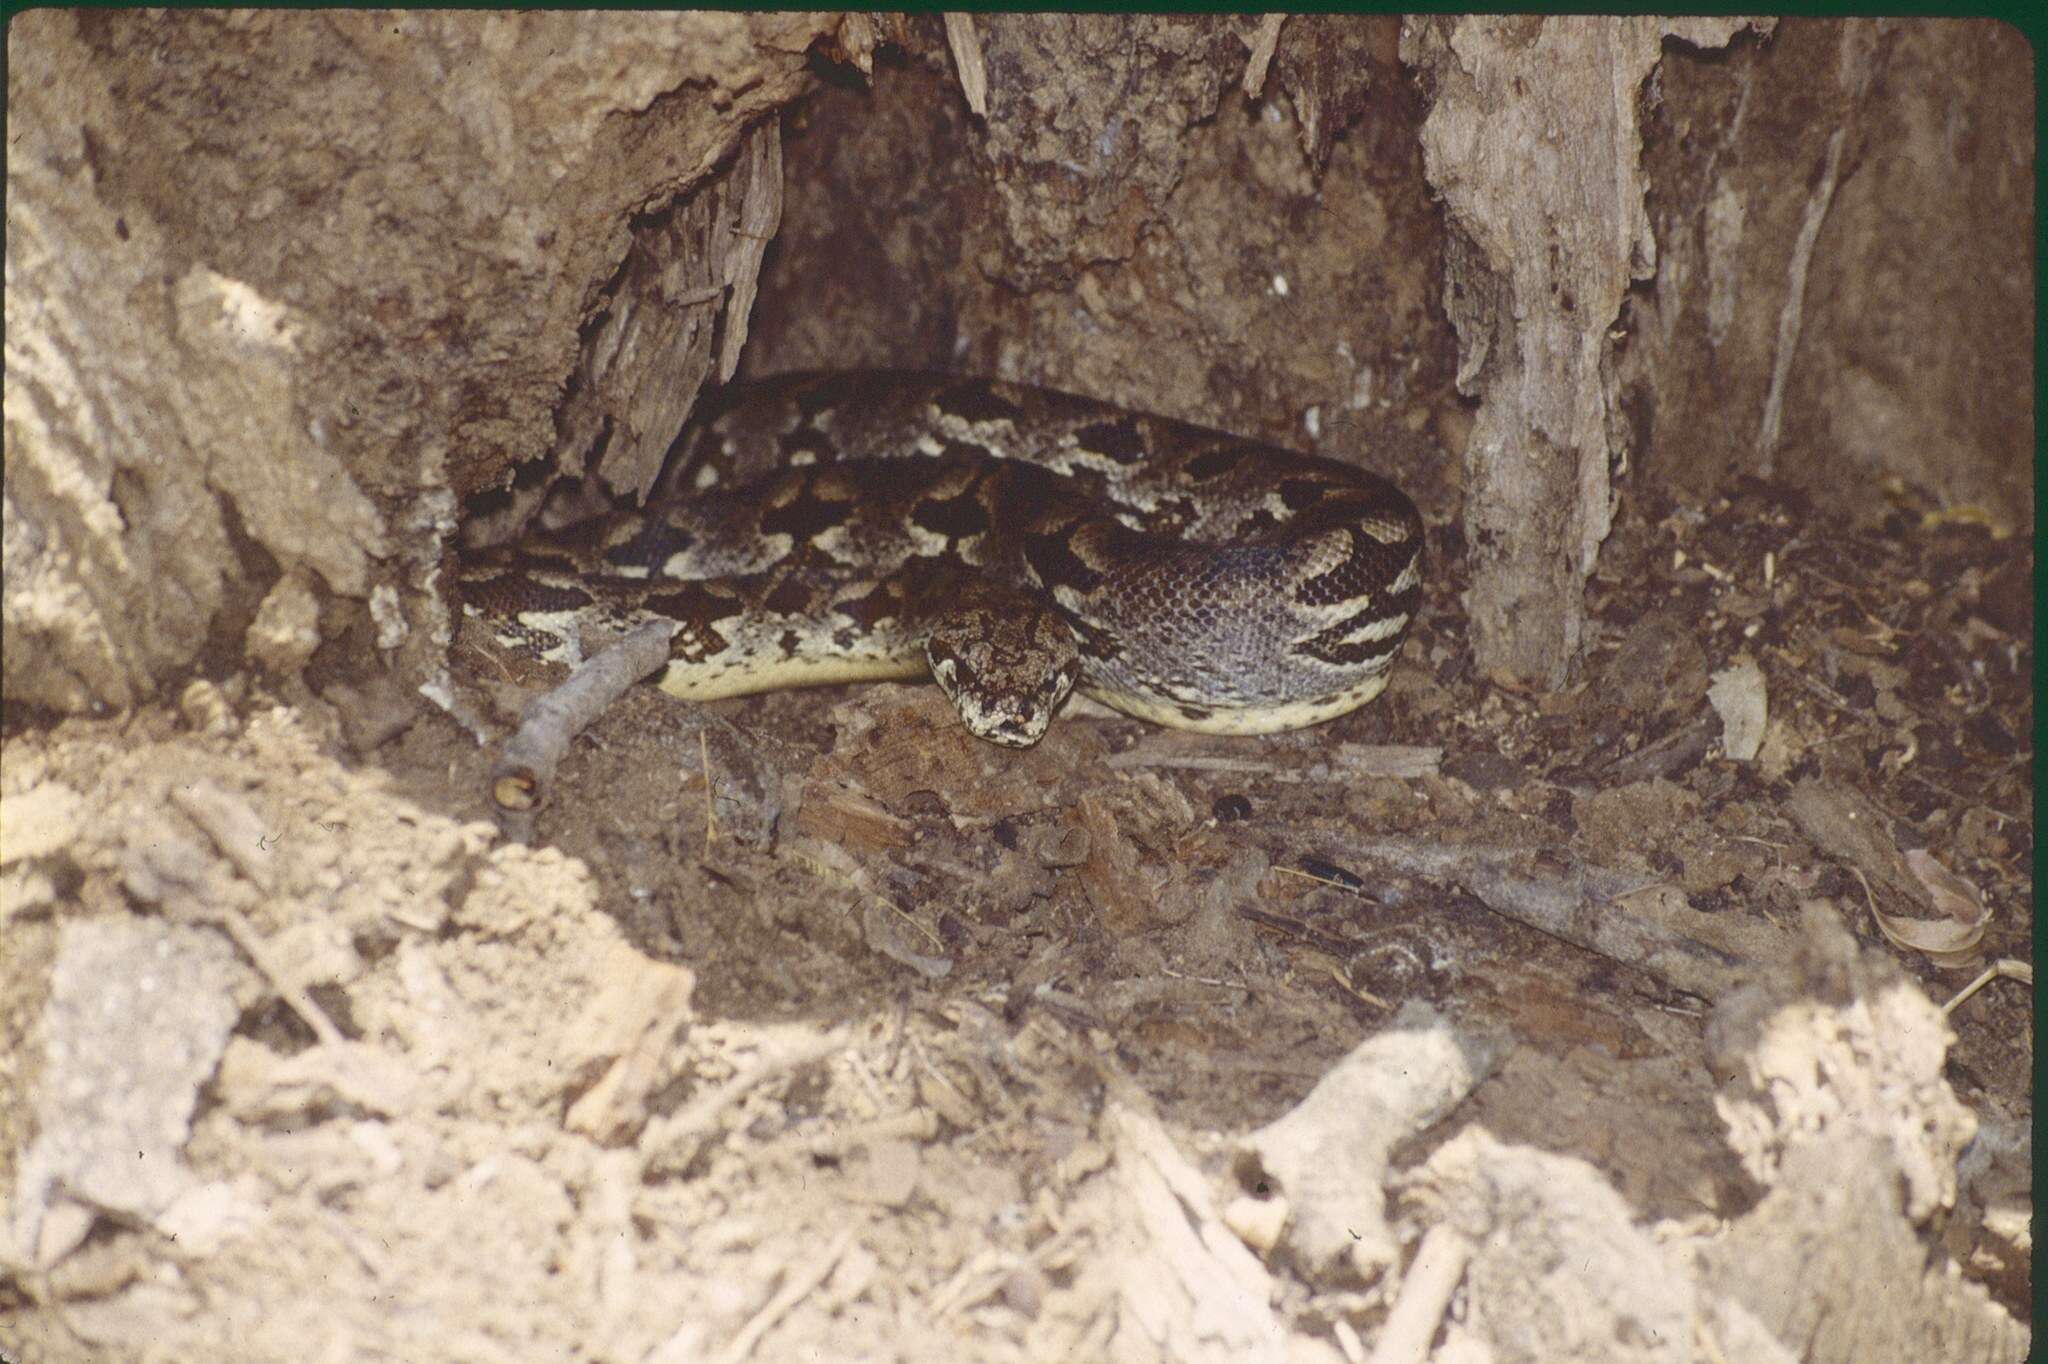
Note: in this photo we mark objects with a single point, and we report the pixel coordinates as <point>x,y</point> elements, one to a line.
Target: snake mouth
<point>1015,734</point>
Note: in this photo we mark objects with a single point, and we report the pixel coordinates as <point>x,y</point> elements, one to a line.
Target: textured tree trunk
<point>1533,142</point>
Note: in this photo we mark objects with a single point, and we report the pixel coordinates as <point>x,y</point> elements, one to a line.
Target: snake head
<point>1006,674</point>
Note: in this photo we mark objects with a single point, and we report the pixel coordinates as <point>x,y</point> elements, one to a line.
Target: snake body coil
<point>1012,541</point>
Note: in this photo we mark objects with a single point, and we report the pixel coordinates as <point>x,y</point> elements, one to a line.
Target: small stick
<point>525,771</point>
<point>666,1139</point>
<point>793,1292</point>
<point>1572,907</point>
<point>257,950</point>
<point>231,824</point>
<point>710,805</point>
<point>2005,968</point>
<point>1425,1294</point>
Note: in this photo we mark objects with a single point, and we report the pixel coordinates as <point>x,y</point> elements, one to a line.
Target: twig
<point>1961,799</point>
<point>525,770</point>
<point>710,805</point>
<point>694,1123</point>
<point>258,952</point>
<point>1684,745</point>
<point>793,1292</point>
<point>1573,907</point>
<point>1330,881</point>
<point>2006,968</point>
<point>1345,763</point>
<point>1300,932</point>
<point>1425,1293</point>
<point>1791,315</point>
<point>235,830</point>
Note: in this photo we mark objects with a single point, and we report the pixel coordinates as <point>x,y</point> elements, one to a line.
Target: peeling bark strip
<point>689,276</point>
<point>966,45</point>
<point>1533,144</point>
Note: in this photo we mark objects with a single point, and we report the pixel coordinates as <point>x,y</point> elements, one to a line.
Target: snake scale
<point>1011,541</point>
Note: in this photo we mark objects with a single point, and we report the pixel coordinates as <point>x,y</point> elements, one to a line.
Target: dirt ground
<point>810,1026</point>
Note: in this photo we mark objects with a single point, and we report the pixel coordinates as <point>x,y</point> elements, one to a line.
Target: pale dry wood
<point>1425,1295</point>
<point>739,249</point>
<point>522,778</point>
<point>673,1142</point>
<point>967,60</point>
<point>1339,763</point>
<point>1547,232</point>
<point>800,1286</point>
<point>238,832</point>
<point>1264,43</point>
<point>1595,908</point>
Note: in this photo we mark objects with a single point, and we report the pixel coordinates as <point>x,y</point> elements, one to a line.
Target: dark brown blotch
<point>832,390</point>
<point>649,546</point>
<point>694,604</point>
<point>1299,494</point>
<point>1216,463</point>
<point>1055,564</point>
<point>804,515</point>
<point>883,602</point>
<point>975,401</point>
<point>956,518</point>
<point>789,598</point>
<point>1119,438</point>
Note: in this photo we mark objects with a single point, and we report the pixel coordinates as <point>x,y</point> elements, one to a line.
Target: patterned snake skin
<point>1012,541</point>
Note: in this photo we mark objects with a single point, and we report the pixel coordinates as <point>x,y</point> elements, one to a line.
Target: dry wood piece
<point>1425,1294</point>
<point>629,1029</point>
<point>1188,1284</point>
<point>1795,302</point>
<point>525,769</point>
<point>1633,920</point>
<point>671,1143</point>
<point>687,285</point>
<point>1112,875</point>
<point>840,815</point>
<point>800,1286</point>
<point>966,45</point>
<point>1342,763</point>
<point>1843,823</point>
<point>1263,45</point>
<point>1328,1156</point>
<point>885,926</point>
<point>1675,752</point>
<point>238,832</point>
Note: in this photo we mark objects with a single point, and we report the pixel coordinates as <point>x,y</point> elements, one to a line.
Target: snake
<point>1010,541</point>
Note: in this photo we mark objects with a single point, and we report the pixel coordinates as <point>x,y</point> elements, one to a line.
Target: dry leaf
<point>1951,941</point>
<point>1949,893</point>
